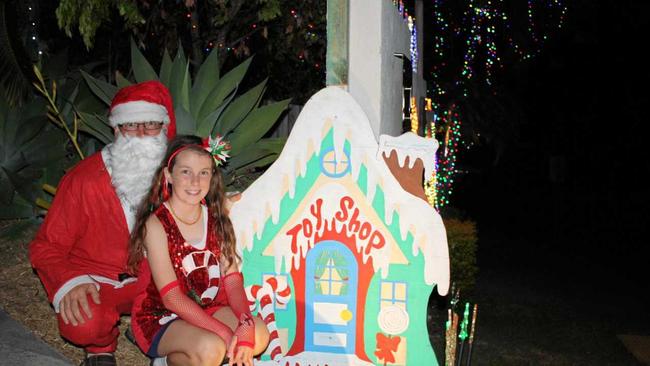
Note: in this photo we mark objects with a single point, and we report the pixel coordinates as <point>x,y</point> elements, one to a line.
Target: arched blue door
<point>330,298</point>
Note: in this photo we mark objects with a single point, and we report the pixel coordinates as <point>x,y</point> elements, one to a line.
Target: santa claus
<point>80,251</point>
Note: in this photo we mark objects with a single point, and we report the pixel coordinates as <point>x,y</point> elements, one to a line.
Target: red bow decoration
<point>386,346</point>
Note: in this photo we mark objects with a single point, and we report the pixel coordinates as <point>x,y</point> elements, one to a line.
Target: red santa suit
<point>84,239</point>
<point>85,235</point>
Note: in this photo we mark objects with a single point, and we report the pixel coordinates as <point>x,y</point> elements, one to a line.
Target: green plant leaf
<point>30,128</point>
<point>185,123</point>
<point>274,144</point>
<point>67,101</point>
<point>87,101</point>
<point>239,108</point>
<point>24,181</point>
<point>121,80</point>
<point>207,125</point>
<point>204,82</point>
<point>255,125</point>
<point>166,68</point>
<point>142,69</point>
<point>100,88</point>
<point>263,161</point>
<point>47,148</point>
<point>246,157</point>
<point>7,192</point>
<point>97,127</point>
<point>226,85</point>
<point>180,80</point>
<point>16,211</point>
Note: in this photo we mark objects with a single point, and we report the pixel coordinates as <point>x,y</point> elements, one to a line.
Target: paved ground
<point>19,347</point>
<point>523,321</point>
<point>539,308</point>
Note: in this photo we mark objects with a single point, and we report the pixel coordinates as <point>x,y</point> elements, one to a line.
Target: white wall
<point>377,32</point>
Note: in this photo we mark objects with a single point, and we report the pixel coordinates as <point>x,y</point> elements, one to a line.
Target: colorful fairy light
<point>447,156</point>
<point>482,34</point>
<point>415,123</point>
<point>478,31</point>
<point>413,30</point>
<point>413,33</point>
<point>430,182</point>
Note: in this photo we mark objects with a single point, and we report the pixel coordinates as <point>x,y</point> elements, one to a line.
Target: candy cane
<point>264,295</point>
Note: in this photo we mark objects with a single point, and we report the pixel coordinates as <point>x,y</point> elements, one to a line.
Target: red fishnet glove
<point>179,303</point>
<point>233,283</point>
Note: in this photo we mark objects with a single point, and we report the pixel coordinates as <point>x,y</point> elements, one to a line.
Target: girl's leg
<point>185,344</point>
<point>226,316</point>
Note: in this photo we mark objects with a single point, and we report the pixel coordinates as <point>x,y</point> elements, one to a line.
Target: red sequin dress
<point>197,272</point>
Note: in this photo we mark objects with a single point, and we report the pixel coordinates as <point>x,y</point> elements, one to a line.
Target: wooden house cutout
<point>339,257</point>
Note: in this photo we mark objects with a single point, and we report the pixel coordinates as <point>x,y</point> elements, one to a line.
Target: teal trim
<point>257,264</point>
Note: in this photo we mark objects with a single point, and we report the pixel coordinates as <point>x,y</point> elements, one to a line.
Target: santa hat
<point>143,102</point>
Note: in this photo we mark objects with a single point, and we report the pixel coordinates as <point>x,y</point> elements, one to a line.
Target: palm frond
<point>15,80</point>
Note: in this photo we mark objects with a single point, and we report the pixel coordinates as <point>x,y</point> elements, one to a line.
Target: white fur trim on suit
<point>138,111</point>
<point>72,283</point>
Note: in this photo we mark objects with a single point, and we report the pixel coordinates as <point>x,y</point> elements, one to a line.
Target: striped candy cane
<point>264,295</point>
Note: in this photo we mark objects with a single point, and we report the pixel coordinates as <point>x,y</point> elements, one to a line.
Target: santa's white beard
<point>133,162</point>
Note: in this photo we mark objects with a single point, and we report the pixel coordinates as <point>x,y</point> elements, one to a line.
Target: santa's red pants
<point>99,334</point>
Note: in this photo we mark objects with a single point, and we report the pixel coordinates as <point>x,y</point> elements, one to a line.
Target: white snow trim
<point>72,283</point>
<point>334,108</point>
<point>138,111</point>
<point>412,146</point>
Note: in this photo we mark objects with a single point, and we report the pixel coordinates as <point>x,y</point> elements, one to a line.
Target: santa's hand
<point>76,301</point>
<point>231,198</point>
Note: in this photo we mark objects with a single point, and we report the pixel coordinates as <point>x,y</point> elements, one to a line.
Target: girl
<point>195,311</point>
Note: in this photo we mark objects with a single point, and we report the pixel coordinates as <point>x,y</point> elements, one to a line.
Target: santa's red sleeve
<point>49,252</point>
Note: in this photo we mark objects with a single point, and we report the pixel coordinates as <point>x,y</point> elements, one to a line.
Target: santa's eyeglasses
<point>134,126</point>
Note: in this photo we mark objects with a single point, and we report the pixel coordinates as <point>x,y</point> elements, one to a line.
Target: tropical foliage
<point>462,238</point>
<point>287,37</point>
<point>15,72</point>
<point>88,15</point>
<point>208,105</point>
<point>31,154</point>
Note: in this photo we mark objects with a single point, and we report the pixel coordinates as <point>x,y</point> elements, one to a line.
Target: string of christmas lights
<point>32,16</point>
<point>446,157</point>
<point>480,27</point>
<point>410,20</point>
<point>477,33</point>
<point>414,43</point>
<point>415,123</point>
<point>430,182</point>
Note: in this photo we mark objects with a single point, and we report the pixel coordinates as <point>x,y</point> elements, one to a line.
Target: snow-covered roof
<point>334,109</point>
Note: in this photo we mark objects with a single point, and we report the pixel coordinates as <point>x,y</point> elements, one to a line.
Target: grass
<point>23,297</point>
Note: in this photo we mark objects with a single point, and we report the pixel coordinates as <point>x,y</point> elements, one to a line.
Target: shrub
<point>462,238</point>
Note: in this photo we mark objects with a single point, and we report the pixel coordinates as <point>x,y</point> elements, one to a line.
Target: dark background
<point>569,195</point>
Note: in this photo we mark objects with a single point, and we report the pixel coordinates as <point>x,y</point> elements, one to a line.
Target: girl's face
<point>190,177</point>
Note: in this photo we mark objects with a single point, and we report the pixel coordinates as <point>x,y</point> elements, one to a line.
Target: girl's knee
<point>208,350</point>
<point>262,336</point>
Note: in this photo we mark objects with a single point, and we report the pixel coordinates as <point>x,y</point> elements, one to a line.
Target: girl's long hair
<point>215,200</point>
